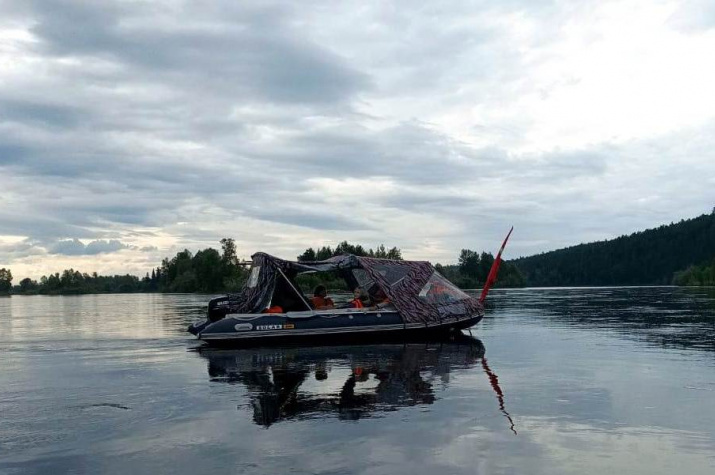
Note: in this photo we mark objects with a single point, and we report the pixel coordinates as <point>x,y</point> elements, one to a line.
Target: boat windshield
<point>253,278</point>
<point>439,290</point>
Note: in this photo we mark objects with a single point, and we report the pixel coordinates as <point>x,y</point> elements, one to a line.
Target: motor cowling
<point>217,309</point>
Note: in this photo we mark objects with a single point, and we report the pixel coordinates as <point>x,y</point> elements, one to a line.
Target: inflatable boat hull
<point>351,324</point>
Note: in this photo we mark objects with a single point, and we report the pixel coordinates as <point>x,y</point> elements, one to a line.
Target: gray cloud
<point>326,220</point>
<point>75,247</point>
<point>20,250</point>
<point>41,114</point>
<point>157,127</point>
<point>39,225</point>
<point>253,52</point>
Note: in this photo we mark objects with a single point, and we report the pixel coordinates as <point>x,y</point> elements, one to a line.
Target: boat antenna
<point>494,270</point>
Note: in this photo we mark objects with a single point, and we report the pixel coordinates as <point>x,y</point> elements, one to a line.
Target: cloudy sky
<point>132,129</point>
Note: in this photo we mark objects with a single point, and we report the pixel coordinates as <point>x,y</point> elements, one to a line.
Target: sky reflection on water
<point>593,380</point>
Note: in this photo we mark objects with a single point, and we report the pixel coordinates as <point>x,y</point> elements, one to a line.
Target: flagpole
<point>492,277</point>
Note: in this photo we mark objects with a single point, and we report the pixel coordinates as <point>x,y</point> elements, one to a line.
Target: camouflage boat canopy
<point>416,289</point>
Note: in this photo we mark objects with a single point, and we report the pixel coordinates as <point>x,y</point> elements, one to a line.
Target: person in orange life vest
<point>438,292</point>
<point>320,299</point>
<point>356,302</point>
<point>379,300</point>
<point>273,309</point>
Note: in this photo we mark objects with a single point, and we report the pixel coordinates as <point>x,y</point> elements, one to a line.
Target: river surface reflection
<point>347,382</point>
<point>588,381</point>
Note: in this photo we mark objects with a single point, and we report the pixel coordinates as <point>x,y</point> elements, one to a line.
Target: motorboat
<point>406,298</point>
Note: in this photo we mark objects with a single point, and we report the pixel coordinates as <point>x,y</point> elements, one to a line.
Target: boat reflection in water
<point>348,382</point>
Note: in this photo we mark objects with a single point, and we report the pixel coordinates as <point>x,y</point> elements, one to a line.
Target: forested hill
<point>648,257</point>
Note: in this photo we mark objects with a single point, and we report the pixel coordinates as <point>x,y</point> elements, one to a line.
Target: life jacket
<point>439,289</point>
<point>356,303</point>
<point>319,302</point>
<point>274,309</point>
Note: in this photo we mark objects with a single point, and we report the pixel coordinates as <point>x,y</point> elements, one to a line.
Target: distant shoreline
<point>477,289</point>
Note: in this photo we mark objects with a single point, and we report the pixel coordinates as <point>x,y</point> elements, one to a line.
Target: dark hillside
<point>648,257</point>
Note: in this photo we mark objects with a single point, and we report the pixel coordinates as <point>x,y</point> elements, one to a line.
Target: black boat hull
<point>251,330</point>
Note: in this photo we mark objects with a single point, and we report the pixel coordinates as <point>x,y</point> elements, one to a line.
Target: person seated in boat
<point>273,309</point>
<point>379,300</point>
<point>356,302</point>
<point>320,300</point>
<point>438,293</point>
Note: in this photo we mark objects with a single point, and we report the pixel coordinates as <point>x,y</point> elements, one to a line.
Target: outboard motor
<point>217,309</point>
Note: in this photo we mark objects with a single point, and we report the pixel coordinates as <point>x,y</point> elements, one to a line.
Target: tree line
<point>472,270</point>
<point>696,275</point>
<point>5,281</point>
<point>326,252</point>
<point>206,271</point>
<point>212,271</point>
<point>651,257</point>
<point>71,281</point>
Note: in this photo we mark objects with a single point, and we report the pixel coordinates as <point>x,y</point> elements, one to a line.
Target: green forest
<point>213,271</point>
<point>696,275</point>
<point>473,268</point>
<point>5,281</point>
<point>677,253</point>
<point>206,271</point>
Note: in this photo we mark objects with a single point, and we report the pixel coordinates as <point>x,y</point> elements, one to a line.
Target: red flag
<point>494,270</point>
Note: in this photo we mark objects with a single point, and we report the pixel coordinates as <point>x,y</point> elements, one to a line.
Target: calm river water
<point>588,381</point>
